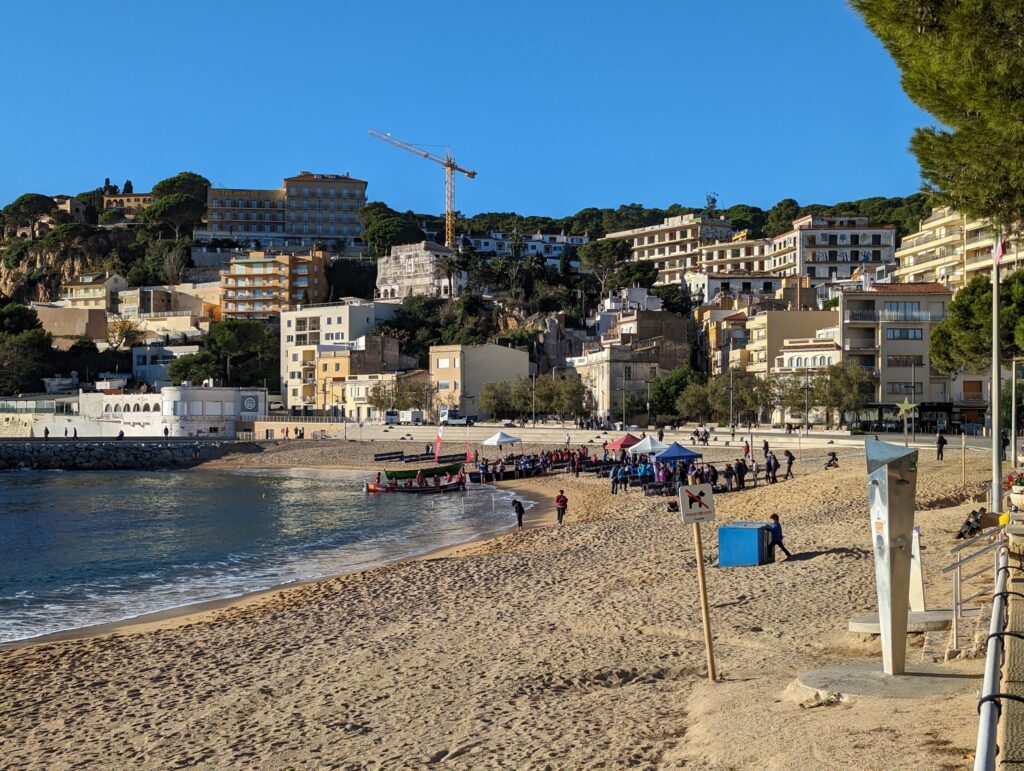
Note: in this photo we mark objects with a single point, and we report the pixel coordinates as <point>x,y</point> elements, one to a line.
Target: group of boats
<point>426,481</point>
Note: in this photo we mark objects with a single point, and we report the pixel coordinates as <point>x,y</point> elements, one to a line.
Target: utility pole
<point>731,421</point>
<point>533,383</point>
<point>913,390</point>
<point>997,449</point>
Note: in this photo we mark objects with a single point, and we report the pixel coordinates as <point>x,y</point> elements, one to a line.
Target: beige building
<point>130,204</point>
<point>94,290</point>
<point>417,269</point>
<point>675,245</point>
<point>351,397</point>
<point>768,330</point>
<point>308,332</point>
<point>69,324</point>
<point>887,329</point>
<point>458,373</point>
<point>825,249</point>
<point>263,285</point>
<point>306,210</point>
<point>370,357</point>
<point>740,254</point>
<point>950,249</point>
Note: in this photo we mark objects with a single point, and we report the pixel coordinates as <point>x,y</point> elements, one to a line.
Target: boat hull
<point>451,487</point>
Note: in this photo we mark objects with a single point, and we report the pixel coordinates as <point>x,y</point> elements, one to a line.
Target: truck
<point>410,417</point>
<point>451,416</point>
<point>390,417</point>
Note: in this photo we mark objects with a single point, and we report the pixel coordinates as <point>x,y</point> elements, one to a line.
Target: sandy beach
<point>578,647</point>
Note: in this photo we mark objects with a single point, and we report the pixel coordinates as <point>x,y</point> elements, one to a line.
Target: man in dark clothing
<point>764,448</point>
<point>741,471</point>
<point>518,506</point>
<point>775,536</point>
<point>789,464</point>
<point>940,444</point>
<point>561,504</point>
<point>1005,440</point>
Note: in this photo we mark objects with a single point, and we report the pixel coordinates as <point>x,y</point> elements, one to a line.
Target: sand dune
<point>570,648</point>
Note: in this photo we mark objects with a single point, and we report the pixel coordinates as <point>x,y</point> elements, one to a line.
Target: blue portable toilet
<point>743,543</point>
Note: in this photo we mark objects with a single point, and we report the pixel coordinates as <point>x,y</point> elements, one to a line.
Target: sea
<point>88,547</point>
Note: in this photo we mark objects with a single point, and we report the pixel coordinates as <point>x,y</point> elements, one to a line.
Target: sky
<point>557,105</point>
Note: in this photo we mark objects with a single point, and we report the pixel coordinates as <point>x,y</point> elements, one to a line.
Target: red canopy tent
<point>623,442</point>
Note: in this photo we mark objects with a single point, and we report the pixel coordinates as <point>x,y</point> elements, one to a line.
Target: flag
<point>437,444</point>
<point>1000,248</point>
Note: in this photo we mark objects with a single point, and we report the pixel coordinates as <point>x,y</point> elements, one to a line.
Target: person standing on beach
<point>764,448</point>
<point>623,479</point>
<point>746,449</point>
<point>614,476</point>
<point>75,435</point>
<point>775,535</point>
<point>518,506</point>
<point>561,504</point>
<point>789,464</point>
<point>940,444</point>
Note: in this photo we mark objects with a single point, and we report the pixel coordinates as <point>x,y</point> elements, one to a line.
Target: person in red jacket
<point>561,504</point>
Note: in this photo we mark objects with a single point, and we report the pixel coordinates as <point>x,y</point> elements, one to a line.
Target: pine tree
<point>960,61</point>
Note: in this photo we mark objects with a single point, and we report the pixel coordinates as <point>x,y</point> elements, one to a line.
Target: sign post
<point>696,505</point>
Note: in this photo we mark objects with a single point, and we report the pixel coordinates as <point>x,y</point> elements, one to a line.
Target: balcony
<point>860,344</point>
<point>854,316</point>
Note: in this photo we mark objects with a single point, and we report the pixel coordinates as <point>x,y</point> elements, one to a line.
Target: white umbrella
<point>501,438</point>
<point>648,446</point>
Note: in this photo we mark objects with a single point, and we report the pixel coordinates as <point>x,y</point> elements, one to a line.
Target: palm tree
<point>448,268</point>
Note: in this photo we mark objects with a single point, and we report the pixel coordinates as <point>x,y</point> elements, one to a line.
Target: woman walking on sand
<point>561,504</point>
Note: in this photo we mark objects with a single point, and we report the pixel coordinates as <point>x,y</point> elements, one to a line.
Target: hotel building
<point>263,285</point>
<point>825,249</point>
<point>675,245</point>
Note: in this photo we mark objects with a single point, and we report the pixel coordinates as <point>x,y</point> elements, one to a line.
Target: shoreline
<point>541,510</point>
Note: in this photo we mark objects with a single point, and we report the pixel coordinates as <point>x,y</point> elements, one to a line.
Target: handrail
<point>984,534</point>
<point>989,707</point>
<point>972,555</point>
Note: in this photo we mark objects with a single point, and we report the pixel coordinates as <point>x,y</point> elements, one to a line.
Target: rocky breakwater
<point>83,455</point>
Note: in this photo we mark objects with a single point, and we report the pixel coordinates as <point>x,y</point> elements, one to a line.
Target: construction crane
<point>450,167</point>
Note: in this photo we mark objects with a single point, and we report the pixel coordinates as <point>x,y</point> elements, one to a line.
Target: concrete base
<point>868,680</point>
<point>918,621</point>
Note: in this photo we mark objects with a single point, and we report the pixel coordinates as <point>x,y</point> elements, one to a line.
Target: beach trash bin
<point>743,543</point>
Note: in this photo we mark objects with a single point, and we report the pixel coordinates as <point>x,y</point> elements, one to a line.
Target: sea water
<point>84,548</point>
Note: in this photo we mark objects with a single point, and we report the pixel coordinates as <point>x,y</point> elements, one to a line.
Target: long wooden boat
<point>429,473</point>
<point>447,487</point>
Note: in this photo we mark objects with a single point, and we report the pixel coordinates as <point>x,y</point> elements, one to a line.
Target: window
<point>876,240</point>
<point>442,385</point>
<point>854,239</point>
<point>443,363</point>
<point>902,308</point>
<point>904,388</point>
<point>903,333</point>
<point>627,372</point>
<point>903,360</point>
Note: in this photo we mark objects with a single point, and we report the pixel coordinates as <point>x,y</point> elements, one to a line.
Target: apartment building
<point>150,362</point>
<point>950,249</point>
<point>825,249</point>
<point>262,285</point>
<point>742,254</point>
<point>706,286</point>
<point>306,210</point>
<point>675,245</point>
<point>458,373</point>
<point>550,246</point>
<point>308,330</point>
<point>350,397</point>
<point>417,269</point>
<point>339,369</point>
<point>886,328</point>
<point>94,290</point>
<point>768,330</point>
<point>807,355</point>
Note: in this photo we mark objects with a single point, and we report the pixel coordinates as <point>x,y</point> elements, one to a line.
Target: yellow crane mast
<point>450,167</point>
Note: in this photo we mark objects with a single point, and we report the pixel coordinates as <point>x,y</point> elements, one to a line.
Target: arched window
<point>107,408</point>
<point>137,408</point>
<point>145,408</point>
<point>117,408</point>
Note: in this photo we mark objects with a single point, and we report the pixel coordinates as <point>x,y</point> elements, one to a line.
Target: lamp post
<point>533,384</point>
<point>731,420</point>
<point>997,449</point>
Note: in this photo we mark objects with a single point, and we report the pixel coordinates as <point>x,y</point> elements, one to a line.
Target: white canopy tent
<point>501,438</point>
<point>648,446</point>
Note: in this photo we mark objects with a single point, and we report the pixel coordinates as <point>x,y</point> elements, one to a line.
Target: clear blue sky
<point>557,105</point>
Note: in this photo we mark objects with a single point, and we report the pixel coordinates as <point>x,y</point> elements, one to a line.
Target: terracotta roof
<point>741,316</point>
<point>932,287</point>
<point>306,176</point>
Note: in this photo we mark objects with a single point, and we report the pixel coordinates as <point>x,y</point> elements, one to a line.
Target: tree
<point>15,319</point>
<point>496,399</point>
<point>111,216</point>
<point>177,210</point>
<point>26,211</point>
<point>843,388</point>
<point>602,257</point>
<point>674,298</point>
<point>176,260</point>
<point>194,368</point>
<point>380,397</point>
<point>234,338</point>
<point>795,395</point>
<point>127,188</point>
<point>23,361</point>
<point>570,396</point>
<point>641,273</point>
<point>963,339</point>
<point>780,217</point>
<point>124,333</point>
<point>448,268</point>
<point>710,205</point>
<point>391,231</point>
<point>955,64</point>
<point>665,390</point>
<point>185,183</point>
<point>694,403</point>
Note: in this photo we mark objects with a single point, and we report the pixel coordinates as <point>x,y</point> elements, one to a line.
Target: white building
<point>675,245</point>
<point>182,410</point>
<point>417,269</point>
<point>619,302</point>
<point>306,329</point>
<point>550,246</point>
<point>150,362</point>
<point>829,248</point>
<point>705,287</point>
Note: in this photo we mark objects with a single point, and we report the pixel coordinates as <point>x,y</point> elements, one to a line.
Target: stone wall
<point>106,455</point>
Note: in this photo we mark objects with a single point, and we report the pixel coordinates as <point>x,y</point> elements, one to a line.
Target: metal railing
<point>989,707</point>
<point>956,567</point>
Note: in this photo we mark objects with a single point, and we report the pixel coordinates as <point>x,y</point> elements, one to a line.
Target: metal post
<point>913,390</point>
<point>1013,415</point>
<point>731,423</point>
<point>704,611</point>
<point>956,607</point>
<point>534,384</point>
<point>997,449</point>
<point>963,458</point>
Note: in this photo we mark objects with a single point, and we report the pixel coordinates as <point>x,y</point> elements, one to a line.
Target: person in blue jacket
<point>775,538</point>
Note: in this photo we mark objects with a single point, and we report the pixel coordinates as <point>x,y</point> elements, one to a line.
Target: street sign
<point>696,504</point>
